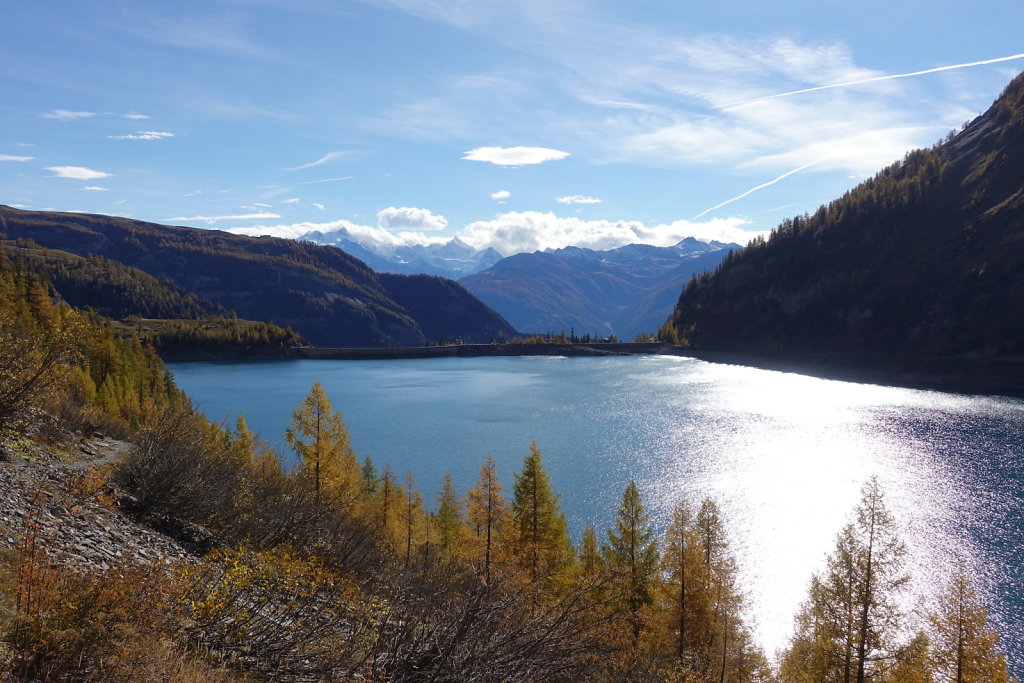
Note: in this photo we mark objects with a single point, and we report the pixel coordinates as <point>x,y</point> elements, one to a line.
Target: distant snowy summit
<point>452,259</point>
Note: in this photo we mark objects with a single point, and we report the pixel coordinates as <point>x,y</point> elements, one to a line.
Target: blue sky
<point>517,125</point>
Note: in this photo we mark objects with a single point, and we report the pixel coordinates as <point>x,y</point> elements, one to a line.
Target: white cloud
<point>514,156</point>
<point>95,188</point>
<point>143,135</point>
<point>291,200</point>
<point>214,219</point>
<point>11,157</point>
<point>65,115</point>
<point>137,117</point>
<point>193,193</point>
<point>501,194</point>
<point>375,238</point>
<point>410,218</point>
<point>330,156</point>
<point>262,205</point>
<point>319,206</point>
<point>76,173</point>
<point>528,231</point>
<point>513,232</point>
<point>578,199</point>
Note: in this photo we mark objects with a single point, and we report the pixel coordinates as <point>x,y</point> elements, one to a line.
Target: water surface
<point>784,455</point>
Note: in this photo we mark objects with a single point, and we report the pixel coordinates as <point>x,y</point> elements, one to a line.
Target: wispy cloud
<point>214,219</point>
<point>65,115</point>
<point>143,135</point>
<point>873,79</point>
<point>501,194</point>
<point>77,173</point>
<point>193,193</point>
<point>330,156</point>
<point>203,31</point>
<point>514,156</point>
<point>326,180</point>
<point>410,218</point>
<point>578,199</point>
<point>137,117</point>
<point>12,157</point>
<point>755,189</point>
<point>319,206</point>
<point>95,188</point>
<point>291,200</point>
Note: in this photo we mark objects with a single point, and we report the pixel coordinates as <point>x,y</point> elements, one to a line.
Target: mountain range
<point>325,294</point>
<point>918,266</point>
<point>451,259</point>
<point>623,291</point>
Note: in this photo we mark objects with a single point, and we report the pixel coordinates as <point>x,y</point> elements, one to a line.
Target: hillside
<point>623,291</point>
<point>328,296</point>
<point>918,267</point>
<point>107,287</point>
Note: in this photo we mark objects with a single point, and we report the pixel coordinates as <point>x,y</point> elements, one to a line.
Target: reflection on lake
<point>784,455</point>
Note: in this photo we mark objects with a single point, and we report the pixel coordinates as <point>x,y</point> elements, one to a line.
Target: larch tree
<point>631,554</point>
<point>541,536</point>
<point>963,648</point>
<point>589,555</point>
<point>412,513</point>
<point>448,517</point>
<point>683,567</point>
<point>487,511</point>
<point>847,628</point>
<point>321,441</point>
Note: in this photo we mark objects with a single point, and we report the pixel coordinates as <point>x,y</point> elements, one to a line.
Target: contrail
<point>326,180</point>
<point>870,80</point>
<point>755,189</point>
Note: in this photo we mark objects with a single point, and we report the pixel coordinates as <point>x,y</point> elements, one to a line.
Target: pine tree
<point>542,539</point>
<point>963,648</point>
<point>631,554</point>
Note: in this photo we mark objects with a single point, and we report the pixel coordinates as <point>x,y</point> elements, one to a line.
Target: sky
<point>517,125</point>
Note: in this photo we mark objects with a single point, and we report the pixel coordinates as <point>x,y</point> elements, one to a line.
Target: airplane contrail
<point>870,80</point>
<point>755,189</point>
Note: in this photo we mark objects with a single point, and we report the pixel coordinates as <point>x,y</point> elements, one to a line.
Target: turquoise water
<point>783,454</point>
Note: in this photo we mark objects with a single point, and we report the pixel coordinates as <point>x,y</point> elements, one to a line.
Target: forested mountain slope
<point>621,291</point>
<point>921,263</point>
<point>112,289</point>
<point>330,297</point>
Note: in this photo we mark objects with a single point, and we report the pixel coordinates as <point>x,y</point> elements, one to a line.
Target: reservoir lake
<point>784,455</point>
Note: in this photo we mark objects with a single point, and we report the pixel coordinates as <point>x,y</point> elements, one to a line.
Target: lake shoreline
<point>956,375</point>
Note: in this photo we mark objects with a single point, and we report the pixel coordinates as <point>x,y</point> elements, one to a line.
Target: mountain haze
<point>327,295</point>
<point>920,263</point>
<point>621,291</point>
